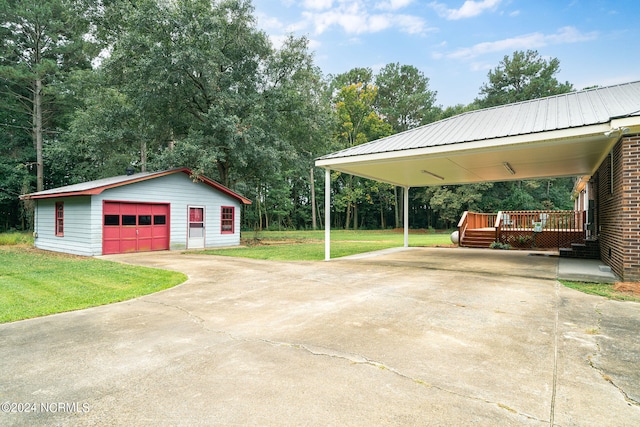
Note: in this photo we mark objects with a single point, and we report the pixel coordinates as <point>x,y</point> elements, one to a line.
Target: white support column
<point>327,214</point>
<point>406,217</point>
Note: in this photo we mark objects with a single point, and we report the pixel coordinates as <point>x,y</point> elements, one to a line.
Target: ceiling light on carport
<point>432,174</point>
<point>508,167</point>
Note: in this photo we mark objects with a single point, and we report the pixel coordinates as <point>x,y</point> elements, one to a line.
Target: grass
<point>309,245</point>
<point>13,238</point>
<point>37,283</point>
<point>601,289</point>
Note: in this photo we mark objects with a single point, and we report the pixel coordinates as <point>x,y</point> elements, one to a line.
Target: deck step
<point>478,238</point>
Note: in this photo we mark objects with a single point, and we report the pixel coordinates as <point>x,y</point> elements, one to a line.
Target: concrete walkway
<point>417,337</point>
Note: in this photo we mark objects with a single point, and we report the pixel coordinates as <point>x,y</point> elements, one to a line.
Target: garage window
<point>112,220</point>
<point>144,220</point>
<point>159,220</point>
<point>128,220</point>
<point>226,220</point>
<point>60,219</point>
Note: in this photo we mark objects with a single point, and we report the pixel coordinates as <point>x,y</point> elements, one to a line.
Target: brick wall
<point>618,208</point>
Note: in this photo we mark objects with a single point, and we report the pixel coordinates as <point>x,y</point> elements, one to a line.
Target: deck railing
<point>541,220</point>
<point>463,224</point>
<point>476,220</point>
<point>523,229</point>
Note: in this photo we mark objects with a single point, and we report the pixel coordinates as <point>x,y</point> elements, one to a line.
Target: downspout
<point>327,214</point>
<point>406,217</point>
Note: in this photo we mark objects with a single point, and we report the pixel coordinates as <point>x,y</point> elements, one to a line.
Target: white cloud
<point>570,35</point>
<point>527,41</point>
<point>314,44</point>
<point>317,4</point>
<point>354,17</point>
<point>269,22</point>
<point>278,41</point>
<point>411,24</point>
<point>469,9</point>
<point>481,66</point>
<point>393,4</point>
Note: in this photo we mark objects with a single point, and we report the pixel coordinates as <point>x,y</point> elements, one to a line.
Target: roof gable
<point>98,186</point>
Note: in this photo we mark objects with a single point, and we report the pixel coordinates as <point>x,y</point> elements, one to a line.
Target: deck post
<point>406,217</point>
<point>327,214</point>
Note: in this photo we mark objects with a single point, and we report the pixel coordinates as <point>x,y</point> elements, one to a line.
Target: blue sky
<point>456,42</point>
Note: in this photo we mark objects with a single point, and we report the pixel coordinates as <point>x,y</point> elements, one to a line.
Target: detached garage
<point>149,211</point>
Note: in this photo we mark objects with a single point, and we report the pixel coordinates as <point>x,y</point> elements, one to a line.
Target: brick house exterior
<point>617,181</point>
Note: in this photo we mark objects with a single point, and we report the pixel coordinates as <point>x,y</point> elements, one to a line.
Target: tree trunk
<point>319,212</point>
<point>313,200</point>
<point>259,198</point>
<point>355,216</point>
<point>37,133</point>
<point>395,206</point>
<point>348,215</point>
<point>143,156</point>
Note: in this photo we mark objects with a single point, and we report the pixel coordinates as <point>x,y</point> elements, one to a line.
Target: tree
<point>40,44</point>
<point>15,168</point>
<point>405,102</point>
<point>404,98</point>
<point>298,121</point>
<point>450,201</point>
<point>356,75</point>
<point>103,138</point>
<point>194,83</point>
<point>522,77</point>
<point>357,123</point>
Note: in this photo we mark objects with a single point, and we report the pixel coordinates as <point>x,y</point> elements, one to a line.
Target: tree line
<point>90,88</point>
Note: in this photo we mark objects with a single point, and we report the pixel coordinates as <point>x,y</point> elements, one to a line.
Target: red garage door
<point>134,227</point>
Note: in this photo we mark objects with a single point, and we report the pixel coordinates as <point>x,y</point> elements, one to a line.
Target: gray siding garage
<point>134,213</point>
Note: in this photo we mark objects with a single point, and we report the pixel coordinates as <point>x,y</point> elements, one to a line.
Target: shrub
<point>499,245</point>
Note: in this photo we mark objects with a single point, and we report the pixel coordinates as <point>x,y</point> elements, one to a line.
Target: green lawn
<point>601,289</point>
<point>309,245</point>
<point>36,283</point>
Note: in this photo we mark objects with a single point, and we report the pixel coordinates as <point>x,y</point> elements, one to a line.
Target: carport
<point>572,134</point>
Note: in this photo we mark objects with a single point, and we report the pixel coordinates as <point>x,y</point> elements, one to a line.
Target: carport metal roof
<point>563,135</point>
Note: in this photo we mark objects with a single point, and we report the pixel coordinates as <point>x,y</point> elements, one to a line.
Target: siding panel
<point>77,226</point>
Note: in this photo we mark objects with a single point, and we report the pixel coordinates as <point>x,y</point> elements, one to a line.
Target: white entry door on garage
<point>196,227</point>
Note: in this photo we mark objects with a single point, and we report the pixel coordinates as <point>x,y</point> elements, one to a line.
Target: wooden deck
<point>522,229</point>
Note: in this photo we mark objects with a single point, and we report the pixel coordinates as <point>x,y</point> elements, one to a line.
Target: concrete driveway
<point>417,337</point>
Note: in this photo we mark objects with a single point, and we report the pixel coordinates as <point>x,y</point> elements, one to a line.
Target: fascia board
<point>548,138</point>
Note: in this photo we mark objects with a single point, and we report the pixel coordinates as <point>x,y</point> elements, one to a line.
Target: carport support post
<point>406,217</point>
<point>327,214</point>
